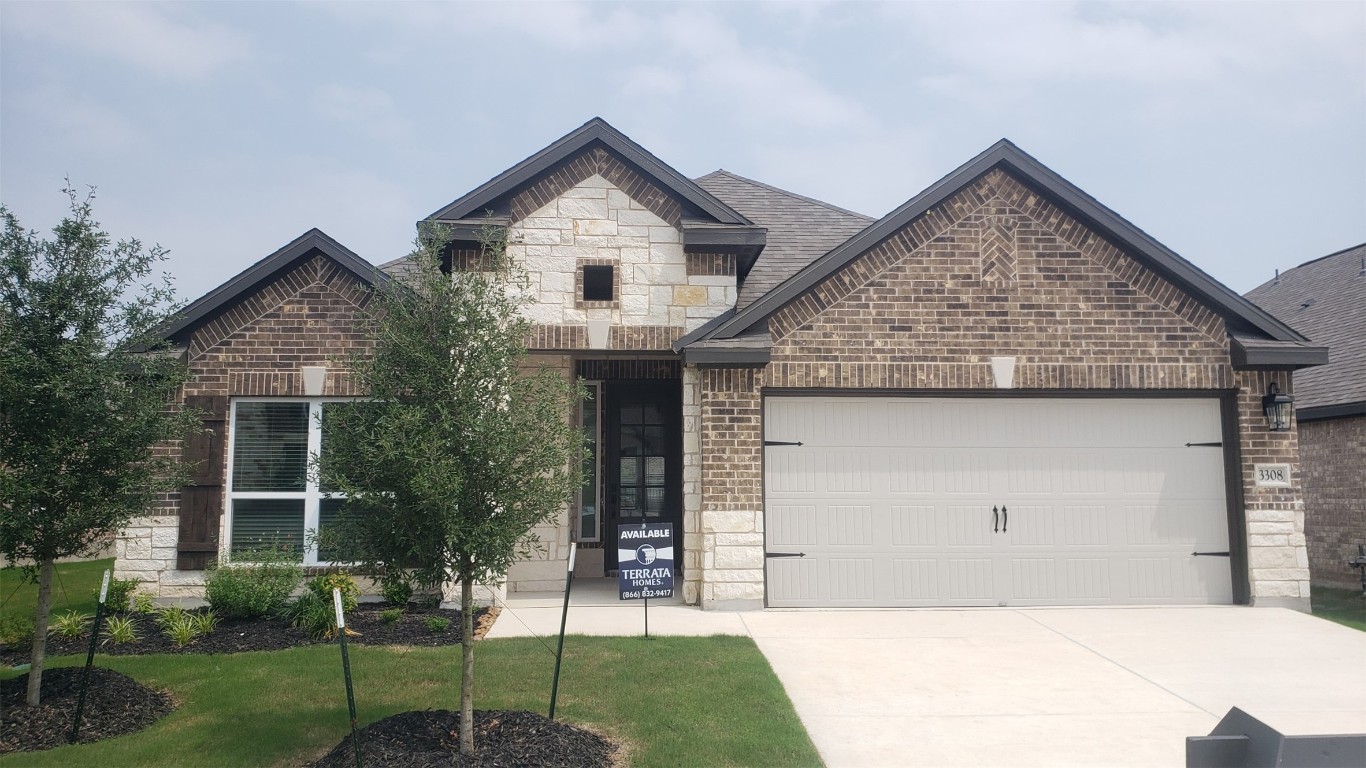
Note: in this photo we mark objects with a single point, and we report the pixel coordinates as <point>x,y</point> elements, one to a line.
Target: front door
<point>643,458</point>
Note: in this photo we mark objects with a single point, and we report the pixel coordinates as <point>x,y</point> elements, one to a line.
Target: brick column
<point>732,516</point>
<point>1278,562</point>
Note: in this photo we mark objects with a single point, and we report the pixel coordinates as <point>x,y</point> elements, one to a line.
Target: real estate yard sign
<point>645,561</point>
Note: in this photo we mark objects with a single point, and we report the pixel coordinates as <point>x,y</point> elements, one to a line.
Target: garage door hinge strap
<point>1204,445</point>
<point>784,554</point>
<point>1209,554</point>
<point>779,442</point>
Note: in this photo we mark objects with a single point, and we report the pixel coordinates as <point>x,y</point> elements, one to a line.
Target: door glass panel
<point>631,412</point>
<point>630,441</point>
<point>654,470</point>
<point>630,471</point>
<point>653,444</point>
<point>628,503</point>
<point>654,501</point>
<point>650,414</point>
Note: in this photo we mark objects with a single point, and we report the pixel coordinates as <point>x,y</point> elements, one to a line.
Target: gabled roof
<point>800,229</point>
<point>247,282</point>
<point>1326,300</point>
<point>1241,314</point>
<point>594,132</point>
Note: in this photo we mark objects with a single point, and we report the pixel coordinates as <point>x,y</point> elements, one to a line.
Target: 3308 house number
<point>1271,475</point>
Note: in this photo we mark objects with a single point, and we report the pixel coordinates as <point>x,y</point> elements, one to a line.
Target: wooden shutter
<point>201,503</point>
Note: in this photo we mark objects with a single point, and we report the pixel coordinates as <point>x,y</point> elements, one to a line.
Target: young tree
<point>84,388</point>
<point>461,448</point>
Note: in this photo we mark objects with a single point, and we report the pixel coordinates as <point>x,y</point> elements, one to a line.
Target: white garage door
<point>1000,501</point>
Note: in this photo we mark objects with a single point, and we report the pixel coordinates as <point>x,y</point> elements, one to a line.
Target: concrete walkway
<point>1047,687</point>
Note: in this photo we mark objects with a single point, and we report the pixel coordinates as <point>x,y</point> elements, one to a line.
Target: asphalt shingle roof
<point>1325,299</point>
<point>800,229</point>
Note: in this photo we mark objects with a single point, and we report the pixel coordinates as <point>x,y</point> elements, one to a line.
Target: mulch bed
<point>431,738</point>
<point>237,636</point>
<point>115,704</point>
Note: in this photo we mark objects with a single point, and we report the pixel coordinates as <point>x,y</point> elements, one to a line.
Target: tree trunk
<point>40,619</point>
<point>467,668</point>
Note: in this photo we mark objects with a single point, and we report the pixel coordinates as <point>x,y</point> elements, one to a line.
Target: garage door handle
<point>784,554</point>
<point>1005,518</point>
<point>1209,554</point>
<point>995,520</point>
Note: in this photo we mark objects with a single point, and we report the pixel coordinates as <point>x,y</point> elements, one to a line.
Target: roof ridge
<point>779,190</point>
<point>1348,249</point>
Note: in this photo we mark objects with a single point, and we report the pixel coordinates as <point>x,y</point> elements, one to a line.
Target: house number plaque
<point>1271,475</point>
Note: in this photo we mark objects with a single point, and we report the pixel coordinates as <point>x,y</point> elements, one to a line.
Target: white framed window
<point>590,494</point>
<point>272,499</point>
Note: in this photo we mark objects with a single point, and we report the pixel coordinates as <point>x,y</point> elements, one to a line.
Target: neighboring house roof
<point>800,229</point>
<point>247,282</point>
<point>1290,348</point>
<point>1325,299</point>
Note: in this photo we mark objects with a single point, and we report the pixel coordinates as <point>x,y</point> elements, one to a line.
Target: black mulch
<point>432,738</point>
<point>237,636</point>
<point>115,704</point>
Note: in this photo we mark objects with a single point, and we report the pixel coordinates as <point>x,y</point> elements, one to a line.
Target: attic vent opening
<point>597,283</point>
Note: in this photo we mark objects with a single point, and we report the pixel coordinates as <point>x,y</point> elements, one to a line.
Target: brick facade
<point>310,315</point>
<point>1333,457</point>
<point>993,271</point>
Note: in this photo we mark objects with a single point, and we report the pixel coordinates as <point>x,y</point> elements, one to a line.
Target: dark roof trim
<point>252,277</point>
<point>471,230</point>
<point>711,357</point>
<point>745,241</point>
<point>595,130</point>
<point>702,331</point>
<point>1024,167</point>
<point>1337,411</point>
<point>1288,355</point>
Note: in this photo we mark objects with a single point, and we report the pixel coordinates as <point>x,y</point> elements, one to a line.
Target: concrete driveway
<point>1017,687</point>
<point>1055,687</point>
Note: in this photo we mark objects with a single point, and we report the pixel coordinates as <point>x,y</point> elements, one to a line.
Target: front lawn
<point>1345,606</point>
<point>74,588</point>
<point>672,701</point>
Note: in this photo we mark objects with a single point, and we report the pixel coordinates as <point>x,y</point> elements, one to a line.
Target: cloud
<point>369,110</point>
<point>171,41</point>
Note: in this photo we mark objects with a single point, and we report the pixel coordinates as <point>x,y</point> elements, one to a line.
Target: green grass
<point>671,701</point>
<point>73,589</point>
<point>1345,606</point>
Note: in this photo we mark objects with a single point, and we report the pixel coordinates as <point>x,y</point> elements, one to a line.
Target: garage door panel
<point>1106,504</point>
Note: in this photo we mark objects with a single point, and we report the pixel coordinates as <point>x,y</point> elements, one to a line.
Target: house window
<point>589,502</point>
<point>597,283</point>
<point>272,500</point>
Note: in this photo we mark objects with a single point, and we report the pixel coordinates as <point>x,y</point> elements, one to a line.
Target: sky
<point>1232,132</point>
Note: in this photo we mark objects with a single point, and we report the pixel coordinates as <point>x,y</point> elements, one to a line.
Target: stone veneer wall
<point>692,486</point>
<point>544,569</point>
<point>995,270</point>
<point>308,316</point>
<point>1333,463</point>
<point>660,293</point>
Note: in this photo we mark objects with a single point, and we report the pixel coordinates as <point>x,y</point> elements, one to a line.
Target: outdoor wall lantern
<point>1277,408</point>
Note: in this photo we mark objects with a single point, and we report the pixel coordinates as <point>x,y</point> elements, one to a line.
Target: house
<point>1325,299</point>
<point>1000,393</point>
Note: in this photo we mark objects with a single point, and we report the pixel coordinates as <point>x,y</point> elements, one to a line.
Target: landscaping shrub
<point>119,630</point>
<point>179,627</point>
<point>396,591</point>
<point>142,603</point>
<point>256,586</point>
<point>390,615</point>
<point>120,592</point>
<point>437,623</point>
<point>15,629</point>
<point>313,614</point>
<point>70,625</point>
<point>322,586</point>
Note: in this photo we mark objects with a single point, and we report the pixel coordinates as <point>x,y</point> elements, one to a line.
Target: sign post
<point>564,616</point>
<point>90,657</point>
<point>346,671</point>
<point>645,563</point>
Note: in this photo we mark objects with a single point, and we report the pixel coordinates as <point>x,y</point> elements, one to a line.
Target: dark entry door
<point>644,458</point>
